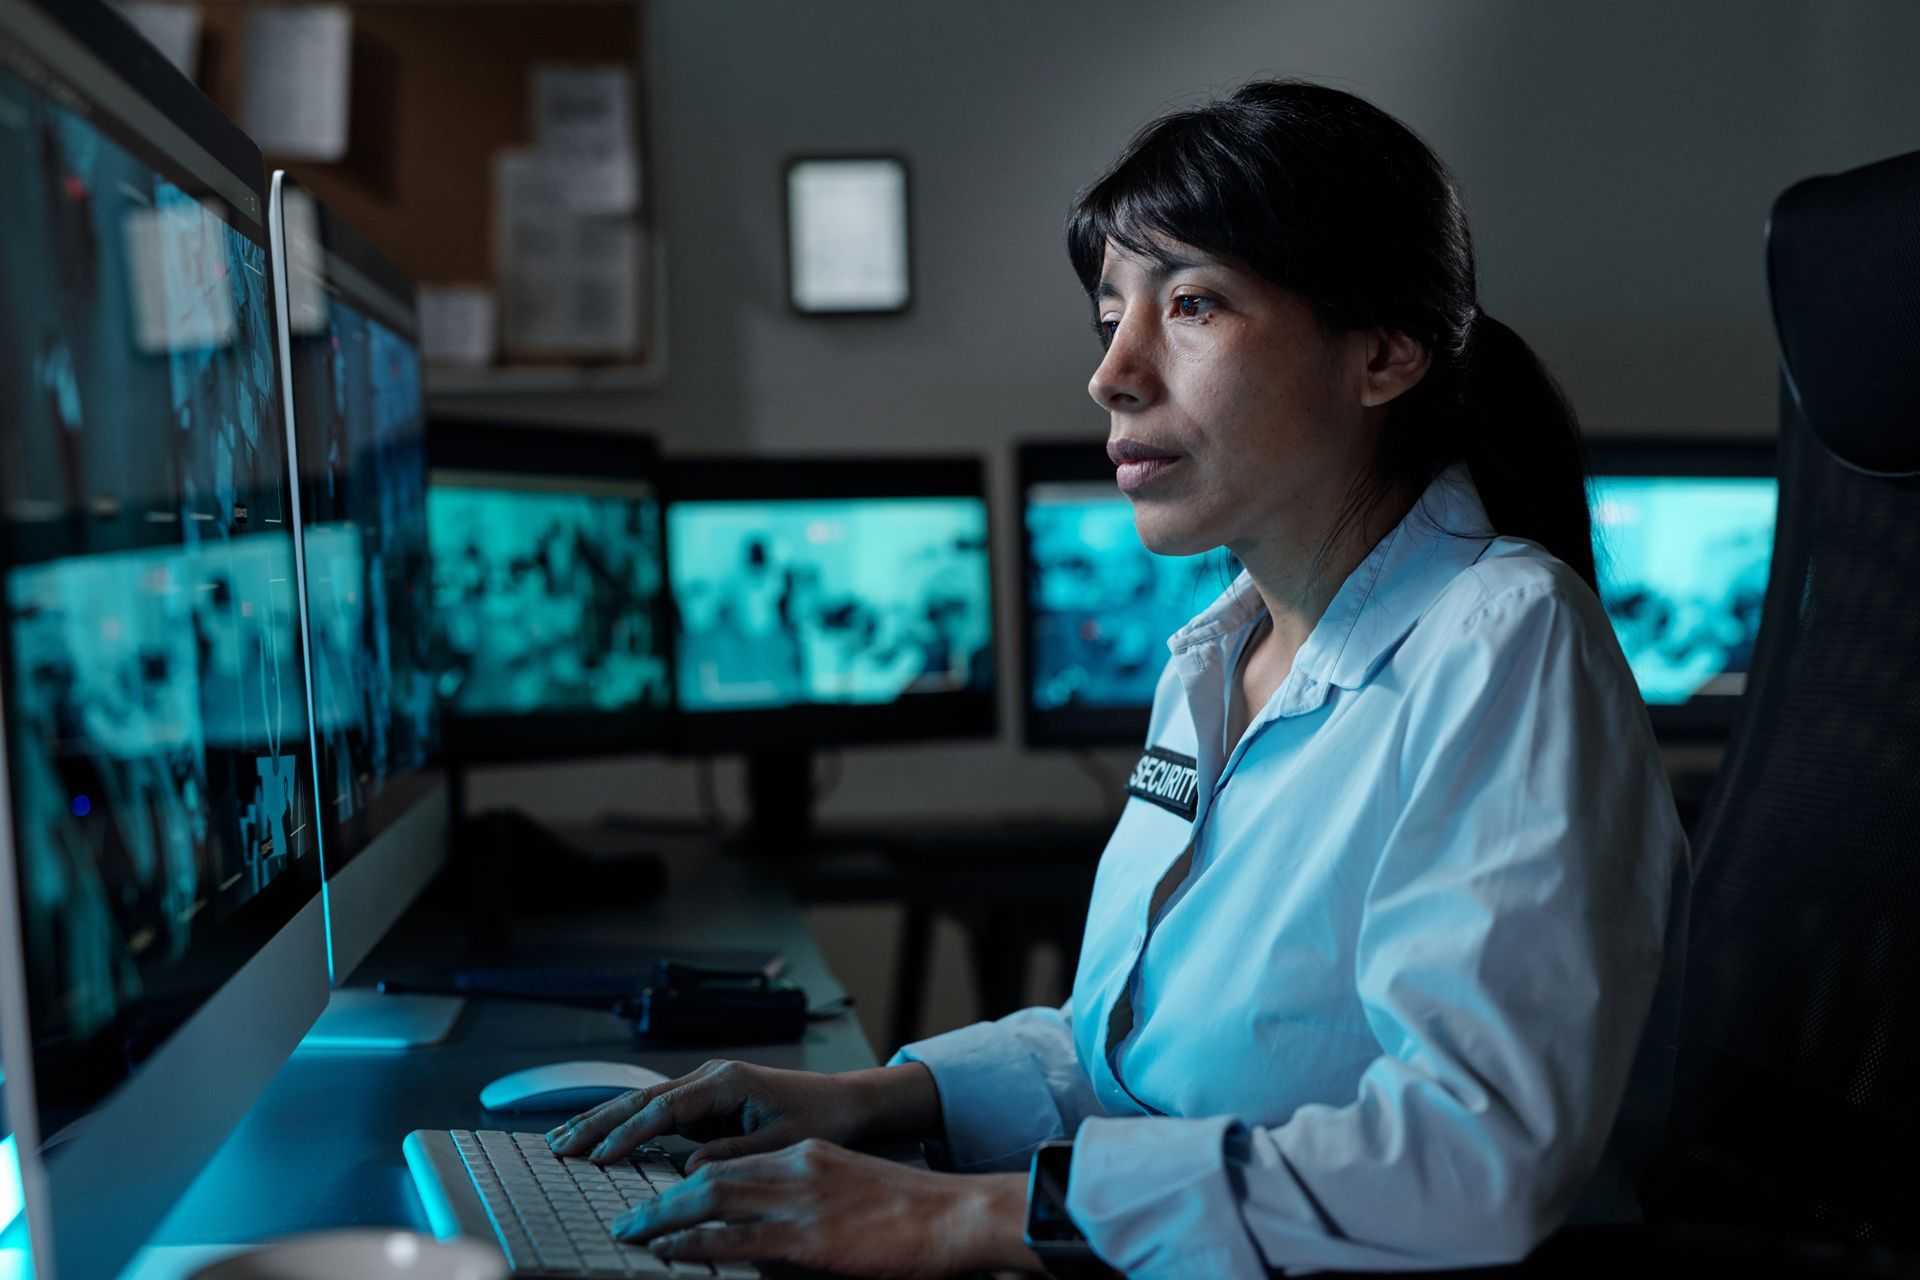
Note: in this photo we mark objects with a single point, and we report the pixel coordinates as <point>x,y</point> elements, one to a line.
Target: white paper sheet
<point>569,282</point>
<point>457,324</point>
<point>299,71</point>
<point>847,224</point>
<point>583,121</point>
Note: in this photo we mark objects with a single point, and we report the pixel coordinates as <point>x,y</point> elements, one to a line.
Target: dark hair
<point>1324,194</point>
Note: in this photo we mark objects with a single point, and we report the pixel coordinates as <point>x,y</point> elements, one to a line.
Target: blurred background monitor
<point>358,437</point>
<point>1096,607</point>
<point>548,591</point>
<point>161,936</point>
<point>827,601</point>
<point>1683,537</point>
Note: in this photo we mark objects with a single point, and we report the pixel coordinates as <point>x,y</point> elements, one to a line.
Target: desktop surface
<point>322,1147</point>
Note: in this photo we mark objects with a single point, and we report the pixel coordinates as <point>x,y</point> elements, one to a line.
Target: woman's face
<point>1237,418</point>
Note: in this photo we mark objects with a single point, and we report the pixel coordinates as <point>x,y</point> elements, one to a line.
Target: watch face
<point>1047,1220</point>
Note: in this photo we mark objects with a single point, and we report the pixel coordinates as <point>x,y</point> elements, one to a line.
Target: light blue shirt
<point>1413,1004</point>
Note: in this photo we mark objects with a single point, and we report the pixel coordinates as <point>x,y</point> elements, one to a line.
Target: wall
<point>1618,159</point>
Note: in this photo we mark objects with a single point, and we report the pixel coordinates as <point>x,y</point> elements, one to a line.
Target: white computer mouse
<point>566,1086</point>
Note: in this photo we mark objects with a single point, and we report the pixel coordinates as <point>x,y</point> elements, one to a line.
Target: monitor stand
<point>362,1018</point>
<point>779,802</point>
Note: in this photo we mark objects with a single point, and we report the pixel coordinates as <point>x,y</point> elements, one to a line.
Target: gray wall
<point>1619,159</point>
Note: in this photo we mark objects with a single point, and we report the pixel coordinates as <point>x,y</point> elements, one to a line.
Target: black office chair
<point>1797,1100</point>
<point>1794,1143</point>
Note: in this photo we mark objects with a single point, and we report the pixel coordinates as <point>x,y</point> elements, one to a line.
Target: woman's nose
<point>1125,378</point>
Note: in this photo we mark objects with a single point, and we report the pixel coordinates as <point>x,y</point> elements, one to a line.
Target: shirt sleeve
<point>1006,1086</point>
<point>1508,957</point>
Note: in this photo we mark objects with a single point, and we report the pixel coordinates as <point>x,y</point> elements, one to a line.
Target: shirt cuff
<point>1155,1198</point>
<point>995,1106</point>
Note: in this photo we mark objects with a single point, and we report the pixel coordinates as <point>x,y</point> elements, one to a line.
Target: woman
<point>1375,947</point>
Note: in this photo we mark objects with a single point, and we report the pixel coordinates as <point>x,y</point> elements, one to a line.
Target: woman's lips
<point>1134,476</point>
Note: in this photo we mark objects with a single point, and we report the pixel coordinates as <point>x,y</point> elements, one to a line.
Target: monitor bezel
<point>1699,719</point>
<point>93,1198</point>
<point>514,449</point>
<point>1038,462</point>
<point>373,283</point>
<point>962,714</point>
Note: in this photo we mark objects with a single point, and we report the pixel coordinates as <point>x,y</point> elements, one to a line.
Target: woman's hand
<point>738,1109</point>
<point>819,1205</point>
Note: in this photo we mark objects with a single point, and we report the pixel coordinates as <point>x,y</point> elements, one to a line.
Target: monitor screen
<point>1683,541</point>
<point>836,594</point>
<point>548,591</point>
<point>155,708</point>
<point>360,440</point>
<point>1097,606</point>
<point>1103,605</point>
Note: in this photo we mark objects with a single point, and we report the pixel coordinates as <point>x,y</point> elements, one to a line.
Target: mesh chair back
<point>1797,1100</point>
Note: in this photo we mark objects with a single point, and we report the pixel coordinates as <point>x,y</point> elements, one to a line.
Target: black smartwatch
<point>1051,1234</point>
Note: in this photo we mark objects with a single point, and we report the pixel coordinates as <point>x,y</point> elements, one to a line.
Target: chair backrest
<point>1797,1098</point>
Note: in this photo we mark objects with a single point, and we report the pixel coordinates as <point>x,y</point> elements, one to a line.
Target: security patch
<point>1168,779</point>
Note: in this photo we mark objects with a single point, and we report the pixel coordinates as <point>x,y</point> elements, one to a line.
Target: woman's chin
<point>1166,536</point>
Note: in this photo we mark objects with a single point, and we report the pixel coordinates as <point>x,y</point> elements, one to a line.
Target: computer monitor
<point>1683,538</point>
<point>1096,607</point>
<point>11,1201</point>
<point>827,601</point>
<point>357,433</point>
<point>162,946</point>
<point>548,591</point>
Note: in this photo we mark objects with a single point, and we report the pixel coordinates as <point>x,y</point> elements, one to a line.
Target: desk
<point>1010,883</point>
<point>321,1147</point>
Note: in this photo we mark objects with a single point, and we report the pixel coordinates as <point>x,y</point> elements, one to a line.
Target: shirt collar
<point>1445,531</point>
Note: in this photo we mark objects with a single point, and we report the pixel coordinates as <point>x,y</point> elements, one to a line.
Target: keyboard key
<point>555,1216</point>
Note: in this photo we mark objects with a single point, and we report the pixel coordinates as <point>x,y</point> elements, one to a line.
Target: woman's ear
<point>1395,364</point>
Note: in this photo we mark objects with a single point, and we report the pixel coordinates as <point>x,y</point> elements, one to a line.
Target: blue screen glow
<point>1102,604</point>
<point>1683,570</point>
<point>544,594</point>
<point>852,601</point>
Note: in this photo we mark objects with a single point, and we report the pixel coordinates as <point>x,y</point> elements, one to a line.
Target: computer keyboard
<point>550,1216</point>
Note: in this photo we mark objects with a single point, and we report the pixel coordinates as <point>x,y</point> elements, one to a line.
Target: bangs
<point>1180,179</point>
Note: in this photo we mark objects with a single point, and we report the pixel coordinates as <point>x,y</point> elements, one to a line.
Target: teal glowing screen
<point>1683,570</point>
<point>546,594</point>
<point>821,601</point>
<point>1101,605</point>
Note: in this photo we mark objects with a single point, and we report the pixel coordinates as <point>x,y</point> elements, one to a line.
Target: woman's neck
<point>1298,577</point>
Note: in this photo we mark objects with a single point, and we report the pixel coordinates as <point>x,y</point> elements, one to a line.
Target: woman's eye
<point>1192,306</point>
<point>1105,329</point>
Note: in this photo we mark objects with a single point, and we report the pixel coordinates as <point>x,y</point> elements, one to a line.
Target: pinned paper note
<point>569,282</point>
<point>456,324</point>
<point>583,122</point>
<point>299,71</point>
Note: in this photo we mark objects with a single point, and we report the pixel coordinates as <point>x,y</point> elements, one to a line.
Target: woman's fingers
<point>771,1138</point>
<point>724,1242</point>
<point>668,1110</point>
<point>587,1129</point>
<point>717,1194</point>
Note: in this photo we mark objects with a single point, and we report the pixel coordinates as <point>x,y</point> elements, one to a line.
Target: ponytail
<point>1520,439</point>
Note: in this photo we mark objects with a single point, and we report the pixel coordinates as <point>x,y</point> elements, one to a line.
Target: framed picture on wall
<point>847,235</point>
